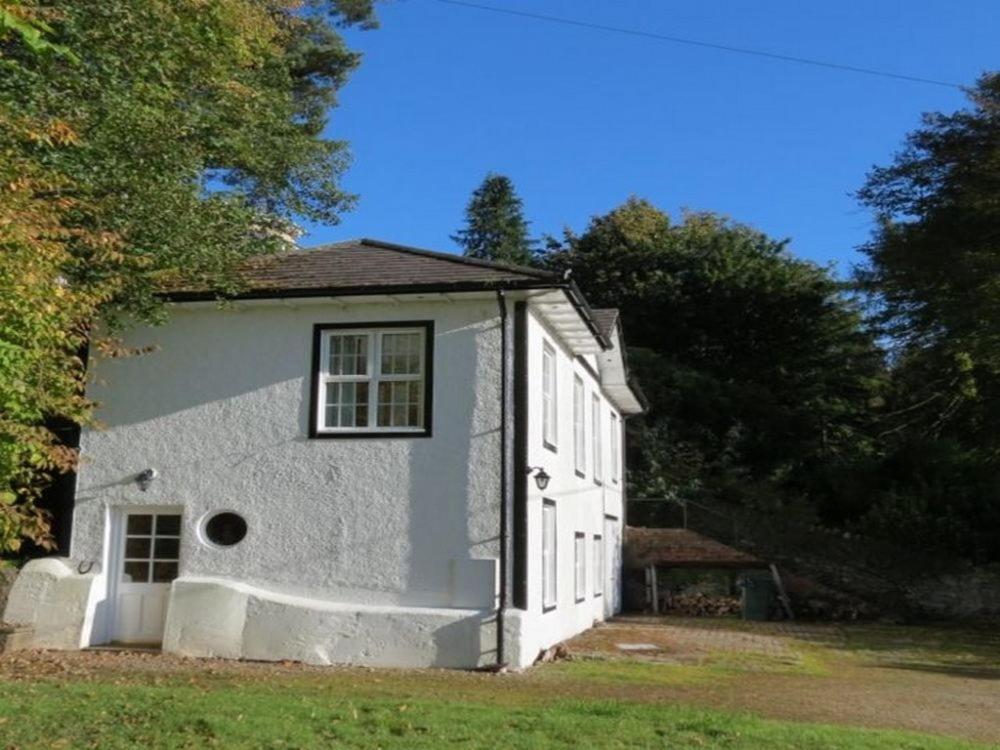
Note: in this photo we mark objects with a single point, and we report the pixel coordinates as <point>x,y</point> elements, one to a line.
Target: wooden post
<point>786,603</point>
<point>655,588</point>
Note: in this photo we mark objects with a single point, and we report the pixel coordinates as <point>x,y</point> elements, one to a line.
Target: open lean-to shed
<point>649,550</point>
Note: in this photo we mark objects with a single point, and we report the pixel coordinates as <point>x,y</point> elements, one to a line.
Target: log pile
<point>702,605</point>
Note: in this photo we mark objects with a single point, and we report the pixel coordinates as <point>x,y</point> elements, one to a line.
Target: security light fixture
<point>145,478</point>
<point>541,477</point>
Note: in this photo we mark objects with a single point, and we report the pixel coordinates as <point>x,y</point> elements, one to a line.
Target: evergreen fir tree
<point>495,228</point>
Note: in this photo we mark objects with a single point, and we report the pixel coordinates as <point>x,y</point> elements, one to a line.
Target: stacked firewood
<point>702,605</point>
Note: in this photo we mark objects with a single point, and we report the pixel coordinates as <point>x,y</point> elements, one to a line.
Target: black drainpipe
<point>504,468</point>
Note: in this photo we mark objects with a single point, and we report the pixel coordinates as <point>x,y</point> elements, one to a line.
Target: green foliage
<point>755,363</point>
<point>934,267</point>
<point>144,142</point>
<point>24,20</point>
<point>495,228</point>
<point>934,279</point>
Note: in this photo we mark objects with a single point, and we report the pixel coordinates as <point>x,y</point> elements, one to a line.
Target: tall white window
<point>579,426</point>
<point>580,567</point>
<point>372,380</point>
<point>615,448</point>
<point>598,565</point>
<point>550,410</point>
<point>597,437</point>
<point>549,569</point>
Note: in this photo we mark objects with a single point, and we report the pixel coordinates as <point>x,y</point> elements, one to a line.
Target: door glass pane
<point>137,547</point>
<point>135,571</point>
<point>168,525</point>
<point>139,524</point>
<point>164,572</point>
<point>167,549</point>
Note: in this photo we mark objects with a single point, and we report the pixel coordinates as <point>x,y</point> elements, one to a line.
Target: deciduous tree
<point>144,141</point>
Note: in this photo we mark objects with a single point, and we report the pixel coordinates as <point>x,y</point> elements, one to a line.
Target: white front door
<point>149,548</point>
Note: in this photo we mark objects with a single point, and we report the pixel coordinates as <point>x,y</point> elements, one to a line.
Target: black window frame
<point>319,329</point>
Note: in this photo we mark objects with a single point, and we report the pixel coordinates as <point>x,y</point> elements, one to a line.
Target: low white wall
<point>209,617</point>
<point>56,601</point>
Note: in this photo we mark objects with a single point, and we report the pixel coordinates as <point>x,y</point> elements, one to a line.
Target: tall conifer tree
<point>495,228</point>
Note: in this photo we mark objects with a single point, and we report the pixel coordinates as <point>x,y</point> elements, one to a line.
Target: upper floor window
<point>615,448</point>
<point>373,379</point>
<point>550,409</point>
<point>579,427</point>
<point>597,437</point>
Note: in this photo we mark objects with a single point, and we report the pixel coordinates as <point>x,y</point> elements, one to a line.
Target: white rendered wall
<point>220,410</point>
<point>581,506</point>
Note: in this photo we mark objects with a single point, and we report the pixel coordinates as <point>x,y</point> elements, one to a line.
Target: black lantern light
<point>145,478</point>
<point>541,477</point>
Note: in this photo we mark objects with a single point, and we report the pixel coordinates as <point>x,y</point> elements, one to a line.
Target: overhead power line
<point>697,43</point>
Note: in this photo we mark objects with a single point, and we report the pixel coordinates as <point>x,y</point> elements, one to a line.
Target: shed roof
<point>681,548</point>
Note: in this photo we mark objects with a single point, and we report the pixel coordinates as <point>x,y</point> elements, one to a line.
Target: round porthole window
<point>225,529</point>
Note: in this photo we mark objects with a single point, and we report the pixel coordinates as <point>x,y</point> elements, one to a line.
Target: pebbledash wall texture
<point>347,537</point>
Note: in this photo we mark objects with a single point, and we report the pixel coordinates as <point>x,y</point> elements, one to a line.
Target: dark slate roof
<point>606,320</point>
<point>681,548</point>
<point>365,266</point>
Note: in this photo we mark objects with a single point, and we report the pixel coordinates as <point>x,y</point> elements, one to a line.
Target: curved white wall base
<point>218,617</point>
<point>56,601</point>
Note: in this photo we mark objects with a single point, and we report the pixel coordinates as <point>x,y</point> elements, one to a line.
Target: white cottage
<point>375,455</point>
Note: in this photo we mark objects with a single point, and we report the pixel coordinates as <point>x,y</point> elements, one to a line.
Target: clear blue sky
<point>580,119</point>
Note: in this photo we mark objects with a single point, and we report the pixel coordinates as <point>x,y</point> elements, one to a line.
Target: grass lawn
<point>714,685</point>
<point>305,715</point>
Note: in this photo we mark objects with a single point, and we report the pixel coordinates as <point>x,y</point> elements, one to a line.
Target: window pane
<point>138,547</point>
<point>399,403</point>
<point>139,525</point>
<point>168,525</point>
<point>549,567</point>
<point>347,404</point>
<point>349,354</point>
<point>401,353</point>
<point>167,549</point>
<point>549,410</point>
<point>164,572</point>
<point>597,438</point>
<point>135,572</point>
<point>579,432</point>
<point>581,566</point>
<point>598,565</point>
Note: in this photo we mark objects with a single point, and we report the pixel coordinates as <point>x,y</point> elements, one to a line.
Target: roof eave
<point>360,291</point>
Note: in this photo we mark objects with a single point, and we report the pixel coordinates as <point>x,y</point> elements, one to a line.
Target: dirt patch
<point>939,680</point>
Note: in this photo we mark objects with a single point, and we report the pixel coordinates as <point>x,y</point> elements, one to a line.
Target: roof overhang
<point>615,377</point>
<point>564,310</point>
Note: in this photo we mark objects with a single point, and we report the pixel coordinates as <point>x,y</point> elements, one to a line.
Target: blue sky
<point>580,119</point>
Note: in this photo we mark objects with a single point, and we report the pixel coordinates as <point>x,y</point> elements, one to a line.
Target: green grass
<point>288,713</point>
